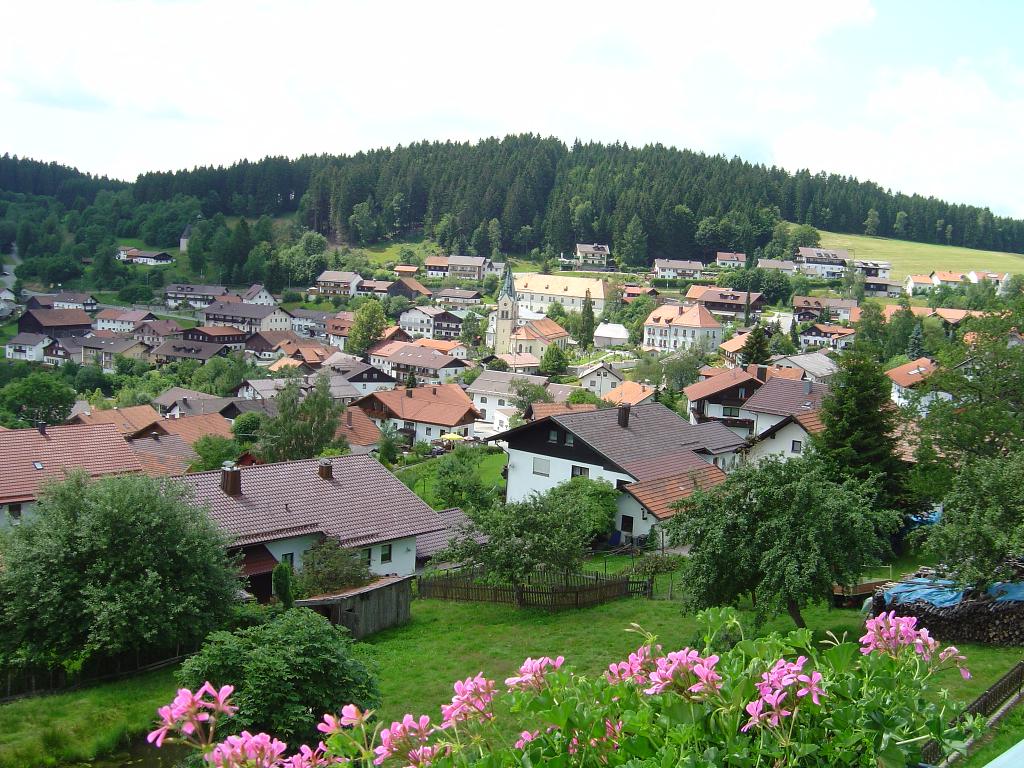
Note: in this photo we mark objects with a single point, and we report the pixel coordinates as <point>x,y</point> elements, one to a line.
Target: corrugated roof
<point>29,458</point>
<point>362,504</point>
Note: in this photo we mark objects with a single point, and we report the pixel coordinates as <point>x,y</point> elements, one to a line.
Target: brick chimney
<point>348,418</point>
<point>325,468</point>
<point>807,387</point>
<point>624,415</point>
<point>231,479</point>
<point>41,426</point>
<point>408,392</point>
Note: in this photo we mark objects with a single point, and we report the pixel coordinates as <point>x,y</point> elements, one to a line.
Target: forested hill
<point>654,200</point>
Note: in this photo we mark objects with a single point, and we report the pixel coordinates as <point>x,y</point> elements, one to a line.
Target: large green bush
<point>286,673</point>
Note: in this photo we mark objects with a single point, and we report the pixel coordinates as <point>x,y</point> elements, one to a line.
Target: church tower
<point>506,318</point>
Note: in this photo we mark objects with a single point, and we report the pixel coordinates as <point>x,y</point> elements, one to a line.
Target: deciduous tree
<point>367,328</point>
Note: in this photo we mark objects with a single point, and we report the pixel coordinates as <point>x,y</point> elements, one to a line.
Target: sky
<point>923,97</point>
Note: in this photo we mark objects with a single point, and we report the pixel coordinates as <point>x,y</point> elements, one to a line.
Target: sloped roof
<point>170,396</point>
<point>914,372</point>
<point>500,382</point>
<point>458,293</point>
<point>920,279</point>
<point>96,449</point>
<point>434,260</point>
<point>612,331</point>
<point>815,363</point>
<point>191,428</point>
<point>785,397</point>
<point>362,504</point>
<point>159,327</point>
<point>677,264</point>
<point>163,455</point>
<point>949,277</point>
<point>449,522</point>
<point>357,428</point>
<point>810,422</point>
<point>559,285</point>
<point>734,344</point>
<point>443,404</point>
<point>441,345</point>
<point>335,276</point>
<point>56,318</point>
<point>423,357</point>
<point>658,494</point>
<point>719,383</point>
<point>544,328</point>
<point>28,339</point>
<point>195,350</point>
<point>631,392</point>
<point>833,330</point>
<point>245,311</point>
<point>693,316</point>
<point>414,285</point>
<point>520,359</point>
<point>127,420</point>
<point>537,411</point>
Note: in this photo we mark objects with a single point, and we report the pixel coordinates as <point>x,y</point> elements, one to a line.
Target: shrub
<point>328,567</point>
<point>286,673</point>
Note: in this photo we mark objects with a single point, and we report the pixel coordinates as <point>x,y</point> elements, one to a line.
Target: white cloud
<point>124,87</point>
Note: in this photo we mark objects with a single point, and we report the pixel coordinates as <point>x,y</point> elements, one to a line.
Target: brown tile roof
<point>436,261</point>
<point>833,330</point>
<point>414,285</point>
<point>163,455</point>
<point>449,522</point>
<point>719,383</point>
<point>630,392</point>
<point>544,328</point>
<point>543,410</point>
<point>659,494</point>
<point>388,348</point>
<point>55,318</point>
<point>950,277</point>
<point>406,269</point>
<point>357,428</point>
<point>735,344</point>
<point>817,302</point>
<point>920,279</point>
<point>169,397</point>
<point>441,345</point>
<point>443,404</point>
<point>710,293</point>
<point>191,428</point>
<point>909,374</point>
<point>773,371</point>
<point>696,316</point>
<point>109,314</point>
<point>159,327</point>
<point>96,449</point>
<point>785,397</point>
<point>520,359</point>
<point>218,330</point>
<point>363,503</point>
<point>891,309</point>
<point>127,420</point>
<point>810,421</point>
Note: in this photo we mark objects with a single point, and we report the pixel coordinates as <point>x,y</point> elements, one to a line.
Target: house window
<point>627,524</point>
<point>483,413</point>
<point>14,510</point>
<point>366,555</point>
<point>578,471</point>
<point>570,440</point>
<point>483,399</point>
<point>730,411</point>
<point>289,558</point>
<point>500,402</point>
<point>797,446</point>
<point>552,435</point>
<point>541,467</point>
<point>385,553</point>
<point>430,430</point>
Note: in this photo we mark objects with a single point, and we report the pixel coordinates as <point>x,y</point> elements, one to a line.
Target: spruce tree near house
<point>410,380</point>
<point>281,581</point>
<point>915,348</point>
<point>755,349</point>
<point>586,333</point>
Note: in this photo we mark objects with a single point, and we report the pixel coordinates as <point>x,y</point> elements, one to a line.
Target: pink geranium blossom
<point>532,673</point>
<point>525,738</point>
<point>472,698</point>
<point>401,738</point>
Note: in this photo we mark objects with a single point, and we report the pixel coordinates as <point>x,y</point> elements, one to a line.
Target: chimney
<point>761,373</point>
<point>231,479</point>
<point>408,392</point>
<point>624,415</point>
<point>348,418</point>
<point>41,426</point>
<point>807,387</point>
<point>433,390</point>
<point>325,469</point>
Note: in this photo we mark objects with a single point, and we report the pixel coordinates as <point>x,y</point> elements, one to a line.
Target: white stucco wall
<point>781,444</point>
<point>488,402</point>
<point>297,545</point>
<point>522,482</point>
<point>403,553</point>
<point>427,432</point>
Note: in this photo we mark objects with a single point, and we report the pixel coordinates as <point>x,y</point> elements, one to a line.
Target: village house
<point>592,257</point>
<point>648,453</point>
<point>131,255</point>
<point>27,346</point>
<point>517,363</point>
<point>258,294</point>
<point>454,298</point>
<point>410,288</point>
<point>121,320</point>
<point>467,267</point>
<point>266,345</point>
<point>611,335</point>
<point>429,366</point>
<point>536,292</point>
<point>631,293</point>
<point>71,300</point>
<point>720,398</point>
<point>879,269</point>
<point>731,348</point>
<point>248,317</point>
<point>725,302</point>
<point>727,260</point>
<point>451,347</point>
<point>431,323</point>
<point>359,432</point>
<point>630,393</point>
<point>829,264</point>
<point>32,457</point>
<point>55,323</point>
<point>1000,279</point>
<point>195,296</point>
<point>830,336</point>
<point>883,288</point>
<point>600,378</point>
<point>273,513</point>
<point>535,336</point>
<point>673,326</point>
<point>166,399</point>
<point>808,308</point>
<point>494,390</point>
<point>338,328</point>
<point>331,282</point>
<point>176,350</point>
<point>129,421</point>
<point>906,379</point>
<point>436,266</point>
<point>422,413</point>
<point>948,279</point>
<point>676,269</point>
<point>786,439</point>
<point>816,366</point>
<point>784,266</point>
<point>778,398</point>
<point>156,332</point>
<point>917,284</point>
<point>104,351</point>
<point>405,270</point>
<point>310,323</point>
<point>363,376</point>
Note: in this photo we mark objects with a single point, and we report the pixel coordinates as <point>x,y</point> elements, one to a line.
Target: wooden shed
<point>366,610</point>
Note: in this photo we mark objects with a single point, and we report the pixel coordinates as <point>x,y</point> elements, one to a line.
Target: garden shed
<point>368,609</point>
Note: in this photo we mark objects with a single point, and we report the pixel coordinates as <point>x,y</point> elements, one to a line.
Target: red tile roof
<point>163,455</point>
<point>719,383</point>
<point>357,428</point>
<point>441,345</point>
<point>659,494</point>
<point>56,318</point>
<point>630,392</point>
<point>443,404</point>
<point>785,397</point>
<point>96,449</point>
<point>127,420</point>
<point>909,374</point>
<point>695,316</point>
<point>543,410</point>
<point>191,428</point>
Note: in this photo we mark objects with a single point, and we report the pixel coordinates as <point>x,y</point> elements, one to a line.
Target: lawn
<point>381,253</point>
<point>420,477</point>
<point>81,724</point>
<point>1006,733</point>
<point>909,258</point>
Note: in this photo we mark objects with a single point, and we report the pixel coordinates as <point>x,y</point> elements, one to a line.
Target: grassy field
<point>381,253</point>
<point>909,258</point>
<point>1007,732</point>
<point>420,477</point>
<point>81,724</point>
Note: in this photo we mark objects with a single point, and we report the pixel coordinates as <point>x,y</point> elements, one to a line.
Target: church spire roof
<point>508,283</point>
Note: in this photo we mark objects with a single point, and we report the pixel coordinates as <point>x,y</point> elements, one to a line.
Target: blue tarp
<point>942,593</point>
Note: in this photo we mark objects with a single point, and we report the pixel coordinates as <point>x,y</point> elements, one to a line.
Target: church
<point>515,330</point>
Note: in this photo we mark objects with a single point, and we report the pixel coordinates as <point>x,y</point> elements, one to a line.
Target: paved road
<point>10,261</point>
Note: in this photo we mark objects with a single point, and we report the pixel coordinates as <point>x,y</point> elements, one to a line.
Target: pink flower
<point>258,751</point>
<point>756,711</point>
<point>532,672</point>
<point>525,738</point>
<point>351,716</point>
<point>952,652</point>
<point>472,698</point>
<point>401,738</point>
<point>684,671</point>
<point>634,669</point>
<point>811,687</point>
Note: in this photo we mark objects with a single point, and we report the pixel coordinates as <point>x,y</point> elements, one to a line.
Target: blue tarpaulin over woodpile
<point>943,593</point>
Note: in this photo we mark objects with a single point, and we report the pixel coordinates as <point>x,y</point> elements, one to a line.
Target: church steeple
<point>507,315</point>
<point>508,283</point>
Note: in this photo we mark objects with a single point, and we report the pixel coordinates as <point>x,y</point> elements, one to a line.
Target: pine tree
<point>860,424</point>
<point>410,380</point>
<point>915,348</point>
<point>871,223</point>
<point>586,333</point>
<point>755,349</point>
<point>794,332</point>
<point>281,582</point>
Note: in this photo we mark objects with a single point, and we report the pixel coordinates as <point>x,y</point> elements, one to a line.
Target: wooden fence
<point>542,589</point>
<point>985,705</point>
